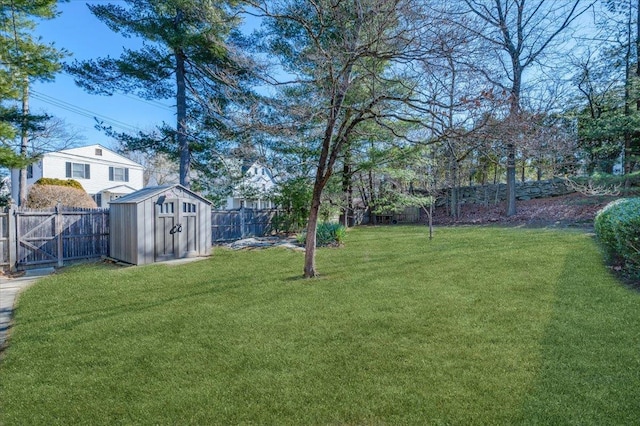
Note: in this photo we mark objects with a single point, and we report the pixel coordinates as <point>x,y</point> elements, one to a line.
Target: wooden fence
<point>229,225</point>
<point>31,238</point>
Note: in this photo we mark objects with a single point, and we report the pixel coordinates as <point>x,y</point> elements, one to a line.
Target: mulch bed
<point>573,210</point>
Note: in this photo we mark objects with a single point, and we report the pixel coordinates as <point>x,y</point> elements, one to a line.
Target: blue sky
<point>85,37</point>
<point>79,32</point>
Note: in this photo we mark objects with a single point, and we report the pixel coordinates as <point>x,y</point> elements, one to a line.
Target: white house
<point>254,189</point>
<point>104,174</point>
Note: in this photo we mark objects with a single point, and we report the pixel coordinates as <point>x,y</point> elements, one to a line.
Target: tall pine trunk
<point>24,144</point>
<point>181,111</point>
<point>636,140</point>
<point>628,136</point>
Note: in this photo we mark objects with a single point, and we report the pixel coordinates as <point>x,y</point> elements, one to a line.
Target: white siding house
<point>104,174</point>
<point>253,192</point>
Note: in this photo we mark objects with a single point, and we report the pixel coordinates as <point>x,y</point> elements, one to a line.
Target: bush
<point>47,196</point>
<point>59,182</point>
<point>294,199</point>
<point>617,227</point>
<point>327,234</point>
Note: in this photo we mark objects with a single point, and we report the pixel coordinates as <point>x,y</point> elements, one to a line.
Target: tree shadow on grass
<point>589,355</point>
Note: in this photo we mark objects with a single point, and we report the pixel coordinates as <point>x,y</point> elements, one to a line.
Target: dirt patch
<point>573,210</point>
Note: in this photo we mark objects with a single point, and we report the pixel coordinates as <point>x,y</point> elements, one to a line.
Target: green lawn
<point>478,326</point>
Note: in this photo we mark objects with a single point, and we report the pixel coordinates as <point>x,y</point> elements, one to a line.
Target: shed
<point>159,223</point>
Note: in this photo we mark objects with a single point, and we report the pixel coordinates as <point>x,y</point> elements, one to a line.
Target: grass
<point>478,326</point>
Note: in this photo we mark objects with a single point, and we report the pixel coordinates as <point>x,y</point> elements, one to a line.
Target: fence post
<point>242,220</point>
<point>12,236</point>
<point>58,225</point>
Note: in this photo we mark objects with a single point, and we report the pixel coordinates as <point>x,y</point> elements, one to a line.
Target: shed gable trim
<point>152,191</point>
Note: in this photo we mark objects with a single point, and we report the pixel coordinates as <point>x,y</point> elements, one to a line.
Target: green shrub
<point>327,234</point>
<point>294,199</point>
<point>608,179</point>
<point>60,182</point>
<point>617,227</point>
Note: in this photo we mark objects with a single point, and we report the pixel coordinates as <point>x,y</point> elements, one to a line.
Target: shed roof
<point>151,191</point>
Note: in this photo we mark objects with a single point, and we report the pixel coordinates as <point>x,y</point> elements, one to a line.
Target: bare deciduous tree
<point>519,33</point>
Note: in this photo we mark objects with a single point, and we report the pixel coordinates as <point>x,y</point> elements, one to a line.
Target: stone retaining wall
<point>493,194</point>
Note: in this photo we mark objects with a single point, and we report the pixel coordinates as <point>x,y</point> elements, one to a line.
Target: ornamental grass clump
<point>617,227</point>
<point>327,234</point>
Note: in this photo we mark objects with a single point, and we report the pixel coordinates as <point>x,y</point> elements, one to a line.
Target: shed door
<point>166,228</point>
<point>176,229</point>
<point>189,232</point>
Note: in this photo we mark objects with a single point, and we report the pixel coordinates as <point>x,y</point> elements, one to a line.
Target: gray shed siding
<point>204,217</point>
<point>122,236</point>
<point>136,219</point>
<point>146,233</point>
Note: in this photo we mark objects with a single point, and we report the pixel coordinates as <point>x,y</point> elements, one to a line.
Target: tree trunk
<point>454,201</point>
<point>636,140</point>
<point>181,112</point>
<point>627,111</point>
<point>514,134</point>
<point>511,180</point>
<point>347,189</point>
<point>431,220</point>
<point>312,227</point>
<point>372,216</point>
<point>24,144</point>
<point>351,219</point>
<point>628,134</point>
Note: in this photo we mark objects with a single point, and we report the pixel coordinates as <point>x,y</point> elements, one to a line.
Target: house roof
<point>120,189</point>
<point>81,151</point>
<point>151,191</point>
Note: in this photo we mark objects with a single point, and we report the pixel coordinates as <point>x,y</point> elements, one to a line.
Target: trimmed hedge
<point>48,196</point>
<point>617,227</point>
<point>59,182</point>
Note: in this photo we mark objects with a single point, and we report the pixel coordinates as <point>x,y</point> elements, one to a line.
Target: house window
<point>262,172</point>
<point>119,174</point>
<point>30,171</point>
<point>188,208</point>
<point>78,170</point>
<point>99,152</point>
<point>255,171</point>
<point>98,199</point>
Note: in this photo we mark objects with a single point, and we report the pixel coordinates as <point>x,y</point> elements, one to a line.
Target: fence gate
<point>39,239</point>
<point>7,244</point>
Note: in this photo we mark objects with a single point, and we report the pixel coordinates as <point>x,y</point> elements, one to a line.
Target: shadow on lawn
<point>78,318</point>
<point>590,343</point>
